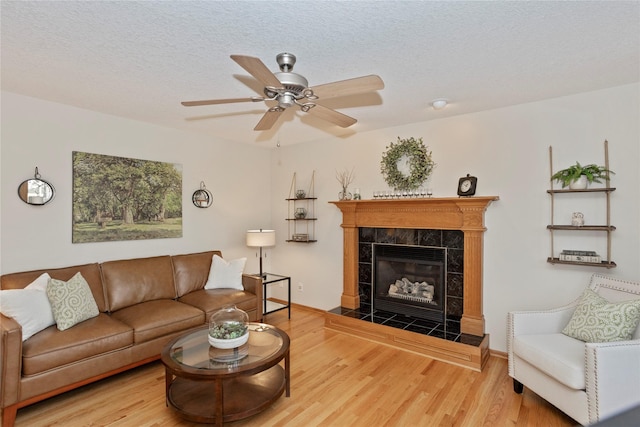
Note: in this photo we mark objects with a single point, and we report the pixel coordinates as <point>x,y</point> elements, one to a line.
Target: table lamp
<point>260,239</point>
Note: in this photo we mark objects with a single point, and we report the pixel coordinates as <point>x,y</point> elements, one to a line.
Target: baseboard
<point>498,354</point>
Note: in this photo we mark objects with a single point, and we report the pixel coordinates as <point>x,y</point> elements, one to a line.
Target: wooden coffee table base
<point>241,396</point>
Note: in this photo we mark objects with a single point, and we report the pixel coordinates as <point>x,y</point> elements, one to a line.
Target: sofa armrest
<point>540,322</point>
<point>612,376</point>
<point>550,321</point>
<point>10,360</point>
<point>253,284</point>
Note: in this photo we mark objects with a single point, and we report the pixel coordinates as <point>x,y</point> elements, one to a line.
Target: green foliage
<point>228,330</point>
<point>121,188</point>
<point>594,173</point>
<point>420,164</point>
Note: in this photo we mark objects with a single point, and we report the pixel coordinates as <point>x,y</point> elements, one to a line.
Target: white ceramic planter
<point>579,184</point>
<point>228,343</point>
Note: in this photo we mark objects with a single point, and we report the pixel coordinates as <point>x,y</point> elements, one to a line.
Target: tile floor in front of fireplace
<point>449,330</point>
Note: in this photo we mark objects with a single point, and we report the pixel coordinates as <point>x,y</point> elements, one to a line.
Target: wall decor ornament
<point>36,191</point>
<point>202,197</point>
<point>121,198</point>
<point>406,164</point>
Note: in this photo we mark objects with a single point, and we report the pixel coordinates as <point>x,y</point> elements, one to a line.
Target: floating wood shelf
<point>582,227</point>
<point>606,264</point>
<point>585,190</point>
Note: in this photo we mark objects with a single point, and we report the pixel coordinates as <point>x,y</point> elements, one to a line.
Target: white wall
<point>508,150</point>
<point>43,134</point>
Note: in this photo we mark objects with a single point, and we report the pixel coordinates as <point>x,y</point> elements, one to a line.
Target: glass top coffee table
<point>208,385</point>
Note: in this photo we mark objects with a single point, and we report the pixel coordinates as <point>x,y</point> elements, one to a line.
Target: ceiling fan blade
<point>269,119</point>
<point>257,69</point>
<point>348,87</point>
<point>221,101</point>
<point>332,116</point>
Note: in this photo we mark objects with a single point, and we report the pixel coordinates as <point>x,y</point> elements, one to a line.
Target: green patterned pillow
<point>71,302</point>
<point>598,320</point>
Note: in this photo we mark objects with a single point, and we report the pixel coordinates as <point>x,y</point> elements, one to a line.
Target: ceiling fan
<point>289,89</point>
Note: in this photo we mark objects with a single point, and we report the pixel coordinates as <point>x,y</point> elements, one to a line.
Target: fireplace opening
<point>409,280</point>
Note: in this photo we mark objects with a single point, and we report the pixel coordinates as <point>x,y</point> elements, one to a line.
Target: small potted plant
<point>228,328</point>
<point>578,177</point>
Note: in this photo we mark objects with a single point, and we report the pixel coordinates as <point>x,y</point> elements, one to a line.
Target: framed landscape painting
<point>119,198</point>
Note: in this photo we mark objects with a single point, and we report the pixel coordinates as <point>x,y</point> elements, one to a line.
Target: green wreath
<point>419,159</point>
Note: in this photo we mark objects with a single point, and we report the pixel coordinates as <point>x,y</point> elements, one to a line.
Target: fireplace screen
<point>409,280</point>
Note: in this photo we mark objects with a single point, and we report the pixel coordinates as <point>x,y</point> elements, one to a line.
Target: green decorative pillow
<point>598,320</point>
<point>71,302</point>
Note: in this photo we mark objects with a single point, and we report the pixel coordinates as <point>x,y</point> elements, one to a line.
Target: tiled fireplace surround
<point>453,240</point>
<point>454,223</point>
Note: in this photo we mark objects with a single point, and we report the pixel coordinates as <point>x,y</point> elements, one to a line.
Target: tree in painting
<point>118,198</point>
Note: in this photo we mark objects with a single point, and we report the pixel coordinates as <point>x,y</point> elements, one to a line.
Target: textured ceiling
<point>140,59</point>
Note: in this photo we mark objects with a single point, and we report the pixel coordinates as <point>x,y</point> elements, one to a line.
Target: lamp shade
<point>261,238</point>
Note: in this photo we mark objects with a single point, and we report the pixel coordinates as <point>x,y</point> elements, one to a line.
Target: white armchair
<point>587,381</point>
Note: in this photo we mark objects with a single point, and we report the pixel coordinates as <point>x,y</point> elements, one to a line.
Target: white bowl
<point>228,343</point>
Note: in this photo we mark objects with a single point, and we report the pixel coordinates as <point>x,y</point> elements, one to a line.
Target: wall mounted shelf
<point>605,228</point>
<point>301,210</point>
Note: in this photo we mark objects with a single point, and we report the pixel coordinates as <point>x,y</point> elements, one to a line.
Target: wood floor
<point>336,380</point>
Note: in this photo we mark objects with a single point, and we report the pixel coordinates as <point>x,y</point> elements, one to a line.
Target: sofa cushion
<point>191,271</point>
<point>153,319</point>
<point>133,281</point>
<point>597,320</point>
<point>90,272</point>
<point>71,301</point>
<point>212,300</point>
<point>52,348</point>
<point>226,274</point>
<point>29,307</point>
<point>559,356</point>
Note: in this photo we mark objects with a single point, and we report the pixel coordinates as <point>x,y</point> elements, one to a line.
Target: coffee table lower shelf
<point>242,396</point>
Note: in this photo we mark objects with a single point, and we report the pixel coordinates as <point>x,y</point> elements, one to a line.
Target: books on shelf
<point>580,256</point>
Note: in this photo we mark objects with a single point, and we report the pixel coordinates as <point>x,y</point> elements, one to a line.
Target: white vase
<point>579,184</point>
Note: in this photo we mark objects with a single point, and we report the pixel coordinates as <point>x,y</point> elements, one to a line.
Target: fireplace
<point>457,223</point>
<point>409,280</point>
<point>461,214</point>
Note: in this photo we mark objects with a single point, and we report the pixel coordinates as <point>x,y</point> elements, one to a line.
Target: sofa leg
<point>518,387</point>
<point>9,415</point>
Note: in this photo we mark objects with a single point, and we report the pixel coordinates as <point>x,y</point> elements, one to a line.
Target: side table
<point>273,306</point>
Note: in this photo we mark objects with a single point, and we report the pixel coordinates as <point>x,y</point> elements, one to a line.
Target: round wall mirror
<point>36,191</point>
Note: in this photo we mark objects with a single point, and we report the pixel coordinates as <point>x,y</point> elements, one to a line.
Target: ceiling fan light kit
<point>289,89</point>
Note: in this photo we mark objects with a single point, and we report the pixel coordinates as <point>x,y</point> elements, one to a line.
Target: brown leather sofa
<point>143,304</point>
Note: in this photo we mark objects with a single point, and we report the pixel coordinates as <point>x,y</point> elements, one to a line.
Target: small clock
<point>467,185</point>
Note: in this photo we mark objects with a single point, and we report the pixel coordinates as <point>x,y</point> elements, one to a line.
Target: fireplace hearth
<point>408,280</point>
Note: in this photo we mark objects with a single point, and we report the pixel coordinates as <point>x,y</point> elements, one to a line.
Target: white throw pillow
<point>29,307</point>
<point>225,274</point>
